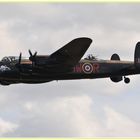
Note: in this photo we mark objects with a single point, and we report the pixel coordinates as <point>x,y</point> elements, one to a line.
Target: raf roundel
<point>87,68</point>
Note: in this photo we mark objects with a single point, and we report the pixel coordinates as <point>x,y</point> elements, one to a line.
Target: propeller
<point>32,56</point>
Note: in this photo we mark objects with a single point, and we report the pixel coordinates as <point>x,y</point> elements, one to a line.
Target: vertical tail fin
<point>115,57</point>
<point>137,56</point>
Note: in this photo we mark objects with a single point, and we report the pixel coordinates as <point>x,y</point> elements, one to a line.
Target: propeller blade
<point>18,65</point>
<point>30,53</point>
<point>19,61</point>
<point>35,54</point>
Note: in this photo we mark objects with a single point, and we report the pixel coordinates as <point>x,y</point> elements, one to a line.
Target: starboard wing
<point>70,54</point>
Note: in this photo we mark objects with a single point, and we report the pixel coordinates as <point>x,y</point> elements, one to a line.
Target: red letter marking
<point>96,68</point>
<point>77,68</point>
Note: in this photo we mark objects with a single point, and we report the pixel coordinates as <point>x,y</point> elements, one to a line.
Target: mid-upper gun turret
<point>91,57</point>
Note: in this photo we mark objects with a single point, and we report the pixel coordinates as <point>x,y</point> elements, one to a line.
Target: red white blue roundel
<point>87,68</point>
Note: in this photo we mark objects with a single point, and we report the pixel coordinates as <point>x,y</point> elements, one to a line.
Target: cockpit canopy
<point>11,59</point>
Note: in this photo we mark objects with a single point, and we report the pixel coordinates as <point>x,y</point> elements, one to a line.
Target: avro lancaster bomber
<point>66,64</point>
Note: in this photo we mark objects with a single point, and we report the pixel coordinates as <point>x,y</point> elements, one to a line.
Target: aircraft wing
<point>69,55</point>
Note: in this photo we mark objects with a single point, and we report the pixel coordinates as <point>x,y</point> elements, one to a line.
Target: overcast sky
<point>81,108</point>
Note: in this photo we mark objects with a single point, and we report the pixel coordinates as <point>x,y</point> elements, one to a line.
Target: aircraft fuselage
<point>85,69</point>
